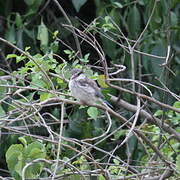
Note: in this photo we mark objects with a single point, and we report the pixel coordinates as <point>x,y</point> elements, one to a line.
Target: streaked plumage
<point>84,89</point>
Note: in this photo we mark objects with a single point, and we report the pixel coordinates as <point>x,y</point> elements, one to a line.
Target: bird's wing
<point>90,85</point>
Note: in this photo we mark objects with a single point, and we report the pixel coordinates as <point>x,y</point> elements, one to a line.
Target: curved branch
<point>144,97</point>
<point>115,114</point>
<point>145,114</point>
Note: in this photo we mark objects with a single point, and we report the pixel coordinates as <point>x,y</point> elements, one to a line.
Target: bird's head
<point>75,73</point>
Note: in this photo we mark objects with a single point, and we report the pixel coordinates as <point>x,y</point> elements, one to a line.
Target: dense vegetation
<point>131,48</point>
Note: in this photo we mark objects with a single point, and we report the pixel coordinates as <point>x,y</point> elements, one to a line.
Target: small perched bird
<point>85,89</point>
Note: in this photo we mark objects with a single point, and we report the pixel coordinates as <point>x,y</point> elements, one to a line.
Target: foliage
<point>41,44</point>
<point>18,156</point>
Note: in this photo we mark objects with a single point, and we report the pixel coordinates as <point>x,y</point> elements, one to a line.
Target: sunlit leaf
<point>158,113</point>
<point>93,112</point>
<point>101,81</point>
<point>44,96</point>
<point>176,104</point>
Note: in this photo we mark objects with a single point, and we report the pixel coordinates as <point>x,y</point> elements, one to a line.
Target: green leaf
<point>93,112</point>
<point>2,112</point>
<point>55,33</point>
<point>101,177</point>
<point>78,4</point>
<point>29,2</point>
<point>35,150</point>
<point>11,34</point>
<point>158,113</point>
<point>37,153</point>
<point>55,46</point>
<point>67,51</point>
<point>27,48</point>
<point>141,2</point>
<point>3,90</point>
<point>43,34</point>
<point>101,81</point>
<point>33,171</point>
<point>134,22</point>
<point>18,20</point>
<point>85,59</point>
<point>108,25</point>
<point>178,162</point>
<point>19,166</point>
<point>119,134</point>
<point>44,96</point>
<point>117,4</point>
<point>176,104</point>
<point>9,56</point>
<point>110,48</point>
<point>38,80</point>
<point>20,58</point>
<point>13,156</point>
<point>174,19</point>
<point>23,140</point>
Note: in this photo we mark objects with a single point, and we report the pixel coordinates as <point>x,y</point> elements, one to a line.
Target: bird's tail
<point>107,104</point>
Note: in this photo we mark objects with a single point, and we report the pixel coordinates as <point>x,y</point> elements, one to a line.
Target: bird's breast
<point>82,93</point>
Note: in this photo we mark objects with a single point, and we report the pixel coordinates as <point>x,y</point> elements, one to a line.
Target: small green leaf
<point>158,113</point>
<point>78,4</point>
<point>116,162</point>
<point>86,56</point>
<point>23,140</point>
<point>18,20</point>
<point>176,104</point>
<point>38,80</point>
<point>117,4</point>
<point>101,177</point>
<point>29,2</point>
<point>2,112</point>
<point>27,48</point>
<point>44,96</point>
<point>67,51</point>
<point>101,81</point>
<point>20,58</point>
<point>93,112</point>
<point>55,33</point>
<point>85,59</point>
<point>55,46</point>
<point>9,56</point>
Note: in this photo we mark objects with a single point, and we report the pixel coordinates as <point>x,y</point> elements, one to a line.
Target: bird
<point>85,90</point>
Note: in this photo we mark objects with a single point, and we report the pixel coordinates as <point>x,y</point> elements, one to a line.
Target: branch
<point>115,114</point>
<point>145,97</point>
<point>145,114</point>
